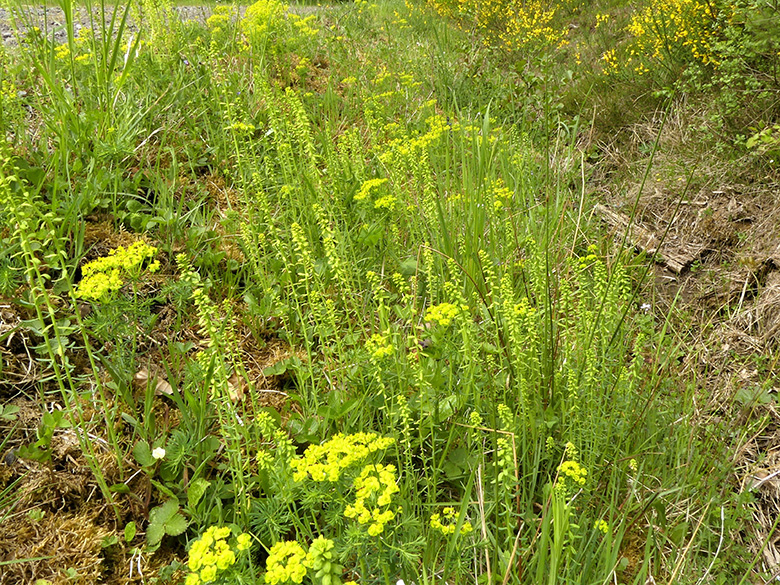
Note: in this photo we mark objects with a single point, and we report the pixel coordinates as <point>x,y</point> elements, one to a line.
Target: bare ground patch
<point>715,245</point>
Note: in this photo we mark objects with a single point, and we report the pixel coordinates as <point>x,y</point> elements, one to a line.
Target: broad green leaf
<point>154,534</point>
<point>130,530</point>
<point>195,491</point>
<point>176,525</point>
<point>143,454</point>
<point>163,513</point>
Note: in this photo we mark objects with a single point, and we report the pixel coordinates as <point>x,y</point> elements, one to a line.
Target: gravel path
<point>52,19</point>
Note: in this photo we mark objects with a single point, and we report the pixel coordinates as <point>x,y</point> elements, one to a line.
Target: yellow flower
<point>375,486</point>
<point>610,60</point>
<point>244,541</point>
<point>285,563</point>
<point>326,462</point>
<point>674,29</point>
<point>225,558</point>
<point>241,127</point>
<point>208,573</point>
<point>61,51</point>
<point>501,194</point>
<point>448,526</point>
<point>511,25</point>
<point>220,18</point>
<point>262,19</point>
<point>386,202</point>
<point>574,471</point>
<point>211,554</point>
<point>367,187</point>
<point>380,346</point>
<point>103,276</point>
<point>444,313</point>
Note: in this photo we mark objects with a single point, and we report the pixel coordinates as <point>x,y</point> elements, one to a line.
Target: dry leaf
<point>141,378</point>
<point>163,387</point>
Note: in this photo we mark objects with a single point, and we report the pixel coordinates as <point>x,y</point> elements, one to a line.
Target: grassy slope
<point>468,306</point>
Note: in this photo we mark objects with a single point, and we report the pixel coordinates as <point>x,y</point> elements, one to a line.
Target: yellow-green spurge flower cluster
<point>267,20</point>
<point>285,563</point>
<point>104,275</point>
<point>571,474</point>
<point>374,485</point>
<point>328,461</point>
<point>380,346</point>
<point>444,313</point>
<point>212,555</point>
<point>573,471</point>
<point>448,525</point>
<point>288,561</point>
<point>368,187</point>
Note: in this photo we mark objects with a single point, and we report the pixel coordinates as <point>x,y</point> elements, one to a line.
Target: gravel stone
<point>51,19</point>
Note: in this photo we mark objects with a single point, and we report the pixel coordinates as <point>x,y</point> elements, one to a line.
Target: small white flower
<point>158,453</point>
<point>645,307</point>
<point>400,582</point>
